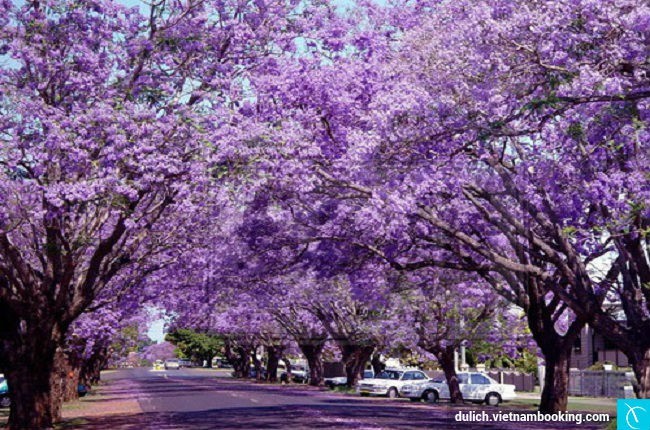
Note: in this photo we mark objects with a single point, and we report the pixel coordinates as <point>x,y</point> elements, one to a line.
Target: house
<point>590,347</point>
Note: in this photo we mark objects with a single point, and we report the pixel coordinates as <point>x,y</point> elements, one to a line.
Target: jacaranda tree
<point>108,120</point>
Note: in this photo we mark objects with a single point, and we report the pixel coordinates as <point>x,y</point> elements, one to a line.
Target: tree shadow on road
<point>308,416</point>
<point>174,387</point>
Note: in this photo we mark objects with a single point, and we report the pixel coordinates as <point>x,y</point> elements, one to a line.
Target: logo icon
<point>633,414</point>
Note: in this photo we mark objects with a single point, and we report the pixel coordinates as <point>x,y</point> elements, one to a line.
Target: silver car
<point>172,364</point>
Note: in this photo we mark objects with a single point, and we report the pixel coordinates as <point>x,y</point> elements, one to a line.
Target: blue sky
<point>156,331</point>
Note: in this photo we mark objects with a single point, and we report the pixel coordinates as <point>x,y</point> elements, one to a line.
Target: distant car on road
<point>158,365</point>
<point>185,363</point>
<point>389,382</point>
<point>172,363</point>
<point>5,402</point>
<point>474,386</point>
<point>221,362</point>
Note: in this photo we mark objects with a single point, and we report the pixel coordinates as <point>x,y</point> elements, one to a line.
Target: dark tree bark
<point>556,380</point>
<point>67,373</point>
<point>445,357</point>
<point>313,352</point>
<point>242,363</point>
<point>28,351</point>
<point>32,401</point>
<point>640,361</point>
<point>355,358</point>
<point>556,347</point>
<point>273,354</point>
<point>377,365</point>
<point>240,358</point>
<point>91,368</point>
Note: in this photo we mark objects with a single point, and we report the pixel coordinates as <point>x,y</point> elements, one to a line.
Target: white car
<point>389,382</point>
<point>474,386</point>
<point>342,380</point>
<point>299,373</point>
<point>172,364</point>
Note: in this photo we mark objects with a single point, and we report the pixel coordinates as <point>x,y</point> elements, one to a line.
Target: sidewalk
<point>115,397</point>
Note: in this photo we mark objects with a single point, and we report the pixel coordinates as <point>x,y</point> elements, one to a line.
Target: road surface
<point>208,399</point>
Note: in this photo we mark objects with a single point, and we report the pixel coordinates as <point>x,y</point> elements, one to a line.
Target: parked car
<point>185,363</point>
<point>389,382</point>
<point>221,362</point>
<point>335,381</point>
<point>342,380</point>
<point>299,374</point>
<point>252,373</point>
<point>474,386</point>
<point>4,393</point>
<point>172,363</point>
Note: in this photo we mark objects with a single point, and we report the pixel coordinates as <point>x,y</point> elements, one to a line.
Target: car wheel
<point>392,393</point>
<point>430,396</point>
<point>5,402</point>
<point>492,399</point>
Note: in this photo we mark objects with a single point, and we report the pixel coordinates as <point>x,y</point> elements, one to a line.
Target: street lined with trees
<point>346,181</point>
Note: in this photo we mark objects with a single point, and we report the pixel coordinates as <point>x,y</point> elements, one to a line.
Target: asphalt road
<point>208,399</point>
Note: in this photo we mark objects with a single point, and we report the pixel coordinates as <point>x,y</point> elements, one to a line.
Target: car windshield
<point>172,361</point>
<point>389,374</point>
<point>490,380</point>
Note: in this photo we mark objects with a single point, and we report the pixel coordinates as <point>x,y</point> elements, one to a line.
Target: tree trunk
<point>446,360</point>
<point>66,375</point>
<point>241,363</point>
<point>377,365</point>
<point>91,368</point>
<point>641,366</point>
<point>32,403</point>
<point>556,380</point>
<point>274,353</point>
<point>31,377</point>
<point>313,352</point>
<point>28,349</point>
<point>257,365</point>
<point>355,358</point>
<point>555,346</point>
<point>240,359</point>
<point>287,362</point>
